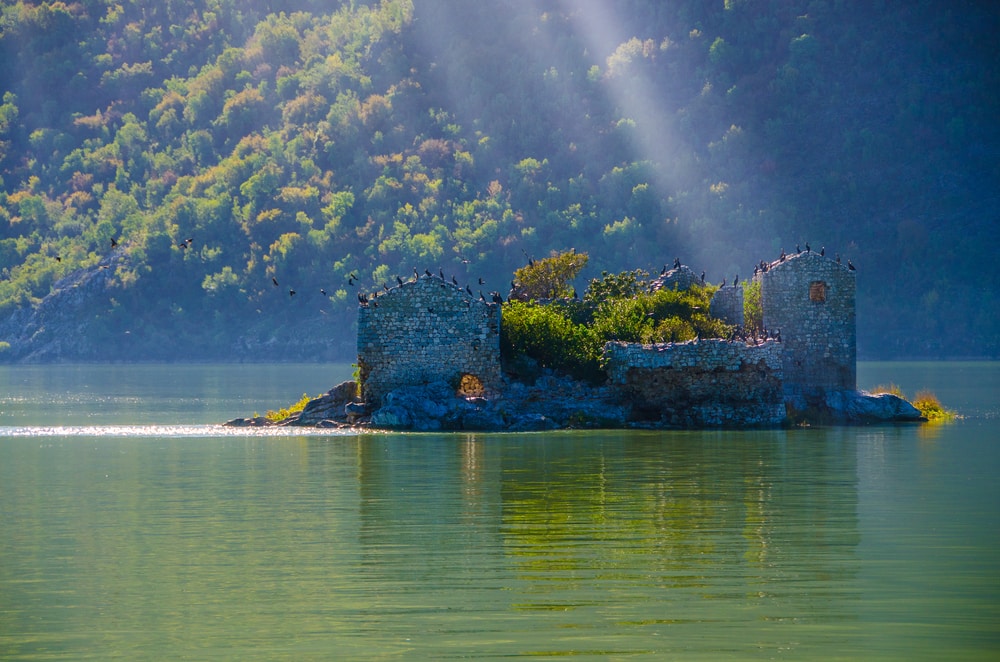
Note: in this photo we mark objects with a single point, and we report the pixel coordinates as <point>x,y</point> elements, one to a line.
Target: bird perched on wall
<point>807,247</point>
<point>723,283</point>
<point>385,287</point>
<point>454,281</point>
<point>797,249</point>
<point>663,270</point>
<point>703,276</point>
<point>838,258</point>
<point>441,273</point>
<point>736,280</point>
<point>399,281</point>
<point>427,272</point>
<point>850,265</point>
<point>822,251</point>
<point>469,290</point>
<point>781,258</point>
<point>677,263</point>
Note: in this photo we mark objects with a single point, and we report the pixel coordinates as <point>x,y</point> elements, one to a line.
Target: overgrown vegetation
<point>283,413</point>
<point>931,408</point>
<point>925,401</point>
<point>569,335</point>
<point>753,308</point>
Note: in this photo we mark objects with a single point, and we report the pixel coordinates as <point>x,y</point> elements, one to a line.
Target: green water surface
<point>132,529</point>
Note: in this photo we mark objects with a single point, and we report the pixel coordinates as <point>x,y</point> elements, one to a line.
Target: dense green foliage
<point>308,142</point>
<point>569,336</point>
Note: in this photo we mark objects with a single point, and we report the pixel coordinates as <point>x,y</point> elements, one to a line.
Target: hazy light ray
<point>654,140</point>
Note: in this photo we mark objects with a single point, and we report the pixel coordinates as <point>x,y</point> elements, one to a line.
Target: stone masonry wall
<point>705,383</point>
<point>427,330</point>
<point>810,299</point>
<point>727,305</point>
<point>682,278</point>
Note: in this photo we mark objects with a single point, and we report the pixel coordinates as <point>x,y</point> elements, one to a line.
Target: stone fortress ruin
<point>427,331</point>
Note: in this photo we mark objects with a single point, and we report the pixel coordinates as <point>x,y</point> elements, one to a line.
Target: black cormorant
<point>274,280</point>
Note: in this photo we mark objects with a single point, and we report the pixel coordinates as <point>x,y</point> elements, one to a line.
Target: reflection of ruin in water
<point>765,520</point>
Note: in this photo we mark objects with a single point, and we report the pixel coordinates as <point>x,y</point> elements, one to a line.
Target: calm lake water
<point>132,527</point>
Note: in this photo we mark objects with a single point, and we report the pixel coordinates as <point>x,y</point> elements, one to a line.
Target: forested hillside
<point>171,172</point>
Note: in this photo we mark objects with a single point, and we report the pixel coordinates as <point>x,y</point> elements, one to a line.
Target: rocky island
<point>429,358</point>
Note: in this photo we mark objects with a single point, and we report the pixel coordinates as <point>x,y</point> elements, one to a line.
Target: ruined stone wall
<point>810,299</point>
<point>705,383</point>
<point>427,330</point>
<point>682,278</point>
<point>727,305</point>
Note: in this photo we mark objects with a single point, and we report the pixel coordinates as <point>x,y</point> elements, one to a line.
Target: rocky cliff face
<point>73,323</point>
<point>57,328</point>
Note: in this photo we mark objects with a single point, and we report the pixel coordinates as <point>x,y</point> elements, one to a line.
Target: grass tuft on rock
<point>890,388</point>
<point>932,409</point>
<point>282,414</point>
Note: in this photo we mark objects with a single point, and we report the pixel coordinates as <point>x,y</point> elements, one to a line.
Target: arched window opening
<point>817,291</point>
<point>470,386</point>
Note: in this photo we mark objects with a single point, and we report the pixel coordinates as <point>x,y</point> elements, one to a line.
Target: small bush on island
<point>925,401</point>
<point>569,335</point>
<point>282,414</point>
<point>931,408</point>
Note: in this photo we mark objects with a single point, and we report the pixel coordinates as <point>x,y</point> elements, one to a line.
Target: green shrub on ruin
<point>545,334</point>
<point>569,336</point>
<point>753,307</point>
